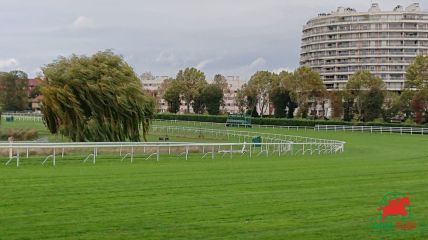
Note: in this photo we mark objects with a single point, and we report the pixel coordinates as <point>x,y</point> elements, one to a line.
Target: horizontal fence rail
<point>241,136</point>
<point>147,150</point>
<point>200,124</point>
<point>372,129</point>
<point>23,116</point>
<point>238,143</point>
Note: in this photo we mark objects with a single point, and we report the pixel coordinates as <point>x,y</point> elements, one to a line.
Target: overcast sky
<point>231,37</point>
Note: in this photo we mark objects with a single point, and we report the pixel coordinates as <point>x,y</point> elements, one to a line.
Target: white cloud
<point>249,69</point>
<point>259,62</point>
<point>201,65</point>
<point>8,63</point>
<point>82,22</point>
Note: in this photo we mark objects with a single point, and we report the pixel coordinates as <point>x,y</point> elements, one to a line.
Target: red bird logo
<point>395,207</point>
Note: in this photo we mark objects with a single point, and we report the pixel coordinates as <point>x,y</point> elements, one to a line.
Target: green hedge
<point>275,121</point>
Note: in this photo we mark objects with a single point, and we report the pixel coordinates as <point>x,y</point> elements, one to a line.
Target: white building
<point>233,84</point>
<point>152,85</point>
<point>340,43</point>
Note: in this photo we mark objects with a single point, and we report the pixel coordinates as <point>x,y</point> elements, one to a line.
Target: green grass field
<point>292,197</point>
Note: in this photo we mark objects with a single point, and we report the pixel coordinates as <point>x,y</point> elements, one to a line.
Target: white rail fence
<point>147,150</point>
<point>23,116</point>
<point>240,136</point>
<point>372,129</point>
<point>238,143</point>
<point>212,124</point>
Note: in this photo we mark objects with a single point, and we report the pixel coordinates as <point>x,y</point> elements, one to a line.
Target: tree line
<point>100,98</point>
<point>364,97</point>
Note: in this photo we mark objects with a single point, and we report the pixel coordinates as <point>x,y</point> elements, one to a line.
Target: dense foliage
<point>366,92</point>
<point>191,87</point>
<point>14,93</point>
<point>286,91</point>
<point>190,83</point>
<point>212,96</point>
<point>417,80</point>
<point>95,98</point>
<point>171,94</point>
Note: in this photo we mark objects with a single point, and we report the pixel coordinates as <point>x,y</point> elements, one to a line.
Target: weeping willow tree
<point>95,98</point>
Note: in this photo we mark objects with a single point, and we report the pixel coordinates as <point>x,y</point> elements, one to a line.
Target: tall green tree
<point>419,106</point>
<point>417,80</point>
<point>391,106</point>
<point>348,106</point>
<point>221,82</point>
<point>198,103</point>
<point>191,82</point>
<point>171,94</point>
<point>14,95</point>
<point>258,89</point>
<point>281,95</point>
<point>336,103</point>
<point>406,97</point>
<point>367,93</point>
<point>417,73</point>
<point>212,98</point>
<point>95,98</point>
<point>241,99</point>
<point>308,88</point>
<point>372,102</point>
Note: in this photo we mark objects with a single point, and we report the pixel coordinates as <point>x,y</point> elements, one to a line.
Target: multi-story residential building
<point>152,84</point>
<point>229,98</point>
<point>340,43</point>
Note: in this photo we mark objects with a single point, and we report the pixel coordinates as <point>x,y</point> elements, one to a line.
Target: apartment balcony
<point>308,34</point>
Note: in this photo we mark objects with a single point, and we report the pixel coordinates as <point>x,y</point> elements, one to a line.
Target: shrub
<point>19,134</point>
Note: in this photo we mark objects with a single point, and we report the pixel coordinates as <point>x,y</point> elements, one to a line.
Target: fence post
<point>157,154</point>
<point>17,158</point>
<point>132,154</point>
<point>95,154</point>
<point>212,153</point>
<point>54,153</point>
<point>10,140</point>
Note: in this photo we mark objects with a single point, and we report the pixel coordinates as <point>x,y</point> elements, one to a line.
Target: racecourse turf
<point>288,197</point>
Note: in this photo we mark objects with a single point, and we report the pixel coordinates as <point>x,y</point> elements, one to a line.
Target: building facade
<point>234,83</point>
<point>338,44</point>
<point>152,85</point>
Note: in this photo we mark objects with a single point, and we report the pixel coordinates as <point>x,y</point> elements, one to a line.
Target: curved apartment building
<point>341,43</point>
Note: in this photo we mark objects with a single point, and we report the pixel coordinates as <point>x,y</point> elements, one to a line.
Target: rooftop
<point>375,8</point>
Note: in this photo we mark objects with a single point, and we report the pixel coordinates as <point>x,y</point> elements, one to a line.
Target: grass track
<point>293,197</point>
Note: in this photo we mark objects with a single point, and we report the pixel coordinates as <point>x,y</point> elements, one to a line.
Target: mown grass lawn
<point>292,197</point>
